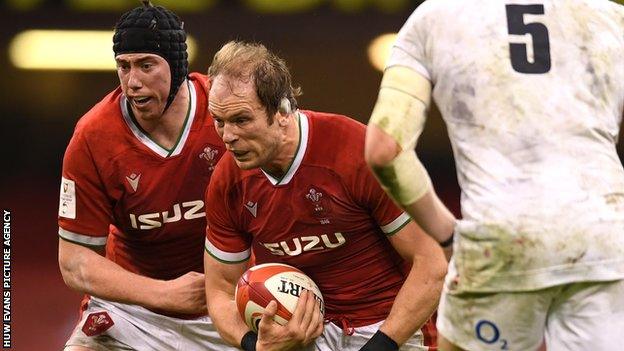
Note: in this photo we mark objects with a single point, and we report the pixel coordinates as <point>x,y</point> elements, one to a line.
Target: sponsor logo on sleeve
<point>67,199</point>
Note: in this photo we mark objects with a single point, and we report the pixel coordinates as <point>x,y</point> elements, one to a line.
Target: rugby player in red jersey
<point>294,188</point>
<point>134,176</point>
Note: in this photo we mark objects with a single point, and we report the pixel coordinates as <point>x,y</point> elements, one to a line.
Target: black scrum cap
<point>154,30</point>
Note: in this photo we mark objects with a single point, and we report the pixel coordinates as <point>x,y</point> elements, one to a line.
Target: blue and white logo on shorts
<point>489,333</point>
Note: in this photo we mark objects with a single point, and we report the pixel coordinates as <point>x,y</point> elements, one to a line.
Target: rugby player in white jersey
<point>532,93</point>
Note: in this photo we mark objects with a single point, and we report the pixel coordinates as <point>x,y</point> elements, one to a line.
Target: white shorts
<point>571,317</point>
<point>334,339</point>
<point>115,326</point>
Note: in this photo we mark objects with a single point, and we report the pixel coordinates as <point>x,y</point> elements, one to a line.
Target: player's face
<point>241,121</point>
<point>145,81</point>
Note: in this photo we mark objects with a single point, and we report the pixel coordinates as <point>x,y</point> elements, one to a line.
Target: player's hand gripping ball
<point>272,281</point>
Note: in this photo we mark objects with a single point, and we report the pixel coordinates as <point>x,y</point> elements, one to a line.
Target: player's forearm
<point>224,315</point>
<point>404,178</point>
<point>432,216</point>
<point>86,271</point>
<point>417,299</point>
<point>420,202</point>
<point>220,285</point>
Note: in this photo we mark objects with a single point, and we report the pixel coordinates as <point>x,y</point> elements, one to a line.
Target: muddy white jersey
<point>532,94</point>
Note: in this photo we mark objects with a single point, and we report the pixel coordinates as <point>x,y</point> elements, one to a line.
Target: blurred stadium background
<point>327,44</point>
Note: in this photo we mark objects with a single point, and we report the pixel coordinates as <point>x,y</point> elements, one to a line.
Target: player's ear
<point>283,111</point>
<point>282,119</point>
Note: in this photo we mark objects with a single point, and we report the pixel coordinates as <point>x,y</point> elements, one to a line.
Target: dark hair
<point>254,61</point>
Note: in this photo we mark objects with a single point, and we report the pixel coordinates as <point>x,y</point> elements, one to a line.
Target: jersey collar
<point>304,132</point>
<point>144,138</point>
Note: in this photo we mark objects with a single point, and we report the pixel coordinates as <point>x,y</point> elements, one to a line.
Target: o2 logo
<point>488,333</point>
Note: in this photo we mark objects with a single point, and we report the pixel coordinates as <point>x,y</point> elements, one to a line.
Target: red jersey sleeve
<point>224,241</point>
<point>369,194</point>
<point>85,211</point>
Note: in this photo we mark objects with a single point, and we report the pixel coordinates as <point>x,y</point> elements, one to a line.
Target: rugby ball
<point>272,281</point>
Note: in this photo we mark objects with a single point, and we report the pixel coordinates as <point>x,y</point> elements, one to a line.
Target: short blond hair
<point>243,60</point>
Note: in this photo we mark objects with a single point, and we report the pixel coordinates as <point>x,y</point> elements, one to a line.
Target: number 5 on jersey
<point>539,35</point>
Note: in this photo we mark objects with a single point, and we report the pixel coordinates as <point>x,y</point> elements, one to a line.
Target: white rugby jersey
<point>532,94</point>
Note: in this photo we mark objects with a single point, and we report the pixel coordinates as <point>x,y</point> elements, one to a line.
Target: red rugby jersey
<point>147,202</point>
<point>327,216</point>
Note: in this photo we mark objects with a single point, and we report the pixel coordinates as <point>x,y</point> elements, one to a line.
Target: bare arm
<point>220,286</point>
<point>87,271</point>
<point>428,211</point>
<point>420,293</point>
<point>435,218</point>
